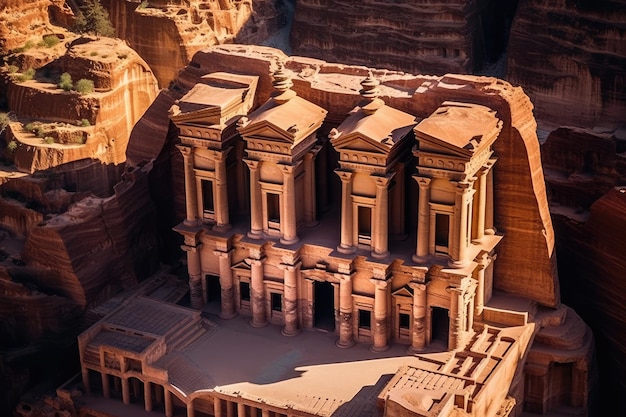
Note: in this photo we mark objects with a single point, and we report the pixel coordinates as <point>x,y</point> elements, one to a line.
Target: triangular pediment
<point>405,291</point>
<point>241,265</point>
<point>361,143</point>
<point>266,130</point>
<point>434,145</point>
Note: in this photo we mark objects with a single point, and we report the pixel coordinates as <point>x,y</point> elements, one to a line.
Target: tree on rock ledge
<point>93,18</point>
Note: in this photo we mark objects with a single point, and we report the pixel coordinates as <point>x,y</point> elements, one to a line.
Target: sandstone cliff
<point>570,56</point>
<point>167,33</point>
<point>420,37</point>
<point>124,88</point>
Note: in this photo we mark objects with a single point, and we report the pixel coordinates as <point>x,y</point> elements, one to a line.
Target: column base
<point>379,348</point>
<point>255,234</point>
<point>258,325</point>
<point>345,345</point>
<point>191,223</point>
<point>228,316</point>
<point>413,351</point>
<point>458,264</point>
<point>346,249</point>
<point>491,231</point>
<point>222,228</point>
<point>380,255</point>
<point>290,333</point>
<point>291,241</point>
<point>419,259</point>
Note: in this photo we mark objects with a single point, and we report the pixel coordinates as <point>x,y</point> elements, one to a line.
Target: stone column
<point>217,407</point>
<point>241,409</point>
<point>265,412</point>
<point>460,238</point>
<point>455,337</point>
<point>290,294</point>
<point>256,204</point>
<point>221,196</point>
<point>169,409</point>
<point>230,409</point>
<point>147,396</point>
<point>106,386</point>
<point>288,215</point>
<point>346,336</point>
<point>197,290</point>
<point>397,226</point>
<point>347,244</point>
<point>380,241</point>
<point>489,225</point>
<point>257,302</point>
<point>310,202</point>
<point>125,391</point>
<point>191,412</point>
<point>380,316</point>
<point>227,306</point>
<point>482,204</point>
<point>418,331</point>
<point>191,195</point>
<point>479,302</point>
<point>423,220</point>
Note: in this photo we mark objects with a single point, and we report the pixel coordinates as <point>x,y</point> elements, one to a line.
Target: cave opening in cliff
<point>496,20</point>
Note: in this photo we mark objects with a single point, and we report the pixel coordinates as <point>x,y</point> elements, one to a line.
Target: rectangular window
<point>244,291</point>
<point>273,207</point>
<point>405,321</point>
<point>277,301</point>
<point>365,224</point>
<point>365,319</point>
<point>207,197</point>
<point>442,232</point>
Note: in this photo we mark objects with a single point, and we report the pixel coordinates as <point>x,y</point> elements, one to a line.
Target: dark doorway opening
<point>324,299</point>
<point>214,289</point>
<point>440,326</point>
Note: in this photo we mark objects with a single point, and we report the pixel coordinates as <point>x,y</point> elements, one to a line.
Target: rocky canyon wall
<point>167,34</point>
<point>570,57</point>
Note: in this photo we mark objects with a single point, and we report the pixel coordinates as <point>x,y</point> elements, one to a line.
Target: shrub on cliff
<point>93,18</point>
<point>65,82</point>
<point>84,86</point>
<point>27,75</point>
<point>12,147</point>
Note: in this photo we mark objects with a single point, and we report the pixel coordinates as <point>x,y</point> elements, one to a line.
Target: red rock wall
<point>420,37</point>
<point>570,57</point>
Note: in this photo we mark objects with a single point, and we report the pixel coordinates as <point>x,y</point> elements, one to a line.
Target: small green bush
<point>48,140</point>
<point>27,75</point>
<point>40,132</point>
<point>93,53</point>
<point>12,147</point>
<point>84,86</point>
<point>13,69</point>
<point>5,119</point>
<point>29,127</point>
<point>65,82</point>
<point>85,123</point>
<point>50,40</point>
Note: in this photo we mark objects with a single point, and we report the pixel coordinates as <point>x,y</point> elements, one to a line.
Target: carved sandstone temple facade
<point>397,247</point>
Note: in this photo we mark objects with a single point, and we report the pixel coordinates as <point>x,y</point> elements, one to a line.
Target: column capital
<point>418,286</point>
<point>220,154</point>
<point>312,153</point>
<point>380,284</point>
<point>222,253</point>
<point>382,180</point>
<point>464,186</point>
<point>255,253</point>
<point>456,290</point>
<point>345,176</point>
<point>288,169</point>
<point>186,151</point>
<point>289,267</point>
<point>253,164</point>
<point>343,277</point>
<point>256,262</point>
<point>422,182</point>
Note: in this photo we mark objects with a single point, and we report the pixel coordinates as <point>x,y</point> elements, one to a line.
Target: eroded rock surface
<point>570,56</point>
<point>167,33</point>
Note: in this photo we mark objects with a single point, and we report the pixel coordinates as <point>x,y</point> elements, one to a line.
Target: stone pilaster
<point>147,396</point>
<point>380,331</point>
<point>191,194</point>
<point>347,244</point>
<point>191,412</point>
<point>489,220</point>
<point>217,407</point>
<point>455,338</point>
<point>125,391</point>
<point>346,311</point>
<point>85,378</point>
<point>169,407</point>
<point>288,221</point>
<point>222,217</point>
<point>481,205</point>
<point>461,234</point>
<point>227,306</point>
<point>106,386</point>
<point>290,294</point>
<point>380,242</point>
<point>257,301</point>
<point>423,220</point>
<point>197,291</point>
<point>418,330</point>
<point>256,203</point>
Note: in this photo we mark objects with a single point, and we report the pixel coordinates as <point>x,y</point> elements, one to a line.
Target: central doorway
<point>440,325</point>
<point>324,299</point>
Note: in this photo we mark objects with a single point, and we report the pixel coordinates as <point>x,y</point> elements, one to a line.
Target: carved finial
<point>282,84</point>
<point>370,93</point>
<point>333,134</point>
